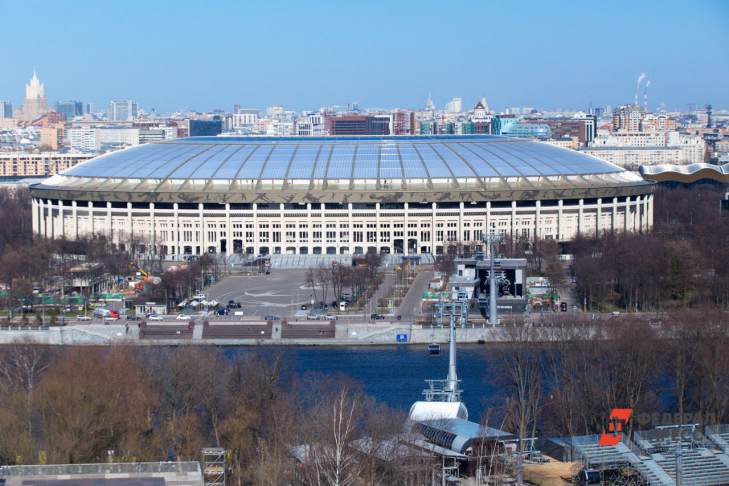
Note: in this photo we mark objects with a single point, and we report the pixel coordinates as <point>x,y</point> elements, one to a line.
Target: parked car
<point>134,318</point>
<point>271,318</point>
<point>83,318</point>
<point>377,317</point>
<point>110,318</point>
<point>154,317</point>
<point>331,318</point>
<point>183,317</point>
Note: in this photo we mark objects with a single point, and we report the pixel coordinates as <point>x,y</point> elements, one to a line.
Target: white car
<point>83,318</point>
<point>110,318</point>
<point>183,317</point>
<point>155,317</point>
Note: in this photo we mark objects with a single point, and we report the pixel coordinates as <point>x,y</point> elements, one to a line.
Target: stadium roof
<point>685,173</point>
<point>337,158</point>
<point>342,169</point>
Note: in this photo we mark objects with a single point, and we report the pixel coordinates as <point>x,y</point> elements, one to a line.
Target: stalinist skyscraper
<point>35,99</point>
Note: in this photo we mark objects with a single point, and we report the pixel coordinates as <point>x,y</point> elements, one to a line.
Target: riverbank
<point>172,334</point>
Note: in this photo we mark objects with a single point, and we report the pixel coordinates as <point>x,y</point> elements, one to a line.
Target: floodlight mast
<point>491,238</point>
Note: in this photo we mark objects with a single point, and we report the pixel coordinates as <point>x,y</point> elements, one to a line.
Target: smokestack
<point>645,96</point>
<point>637,86</point>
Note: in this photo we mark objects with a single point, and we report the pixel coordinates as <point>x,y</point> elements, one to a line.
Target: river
<point>393,375</point>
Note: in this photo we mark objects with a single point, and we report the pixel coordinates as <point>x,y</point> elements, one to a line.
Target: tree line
<point>74,405</point>
<point>563,376</point>
<point>682,263</point>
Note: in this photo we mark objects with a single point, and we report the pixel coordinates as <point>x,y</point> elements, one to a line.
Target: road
<point>280,293</point>
<point>411,304</point>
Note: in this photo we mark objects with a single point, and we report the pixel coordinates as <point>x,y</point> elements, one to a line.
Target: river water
<point>394,375</point>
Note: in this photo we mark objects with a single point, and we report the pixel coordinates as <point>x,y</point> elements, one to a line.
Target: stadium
<point>338,195</point>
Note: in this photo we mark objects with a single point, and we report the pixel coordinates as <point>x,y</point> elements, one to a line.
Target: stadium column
<point>203,230</point>
<point>34,217</point>
<point>51,219</point>
<point>350,228</point>
<point>91,216</point>
<point>377,228</point>
<point>108,222</point>
<point>45,217</point>
<point>513,218</point>
<point>644,214</point>
<point>598,217</point>
<point>255,229</point>
<point>309,232</point>
<point>537,217</point>
<point>176,229</point>
<point>650,211</point>
<point>614,224</point>
<point>460,224</point>
<point>41,218</point>
<point>433,231</point>
<point>560,203</point>
<point>74,210</point>
<point>626,219</point>
<point>61,219</point>
<point>130,227</point>
<point>405,237</point>
<point>152,230</point>
<point>580,215</point>
<point>229,230</point>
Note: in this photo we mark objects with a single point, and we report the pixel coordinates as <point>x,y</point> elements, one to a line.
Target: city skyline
<point>306,57</point>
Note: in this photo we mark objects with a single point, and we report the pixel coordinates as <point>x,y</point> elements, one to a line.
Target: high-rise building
<point>6,109</point>
<point>82,139</point>
<point>454,106</point>
<point>244,118</point>
<point>51,138</point>
<point>205,128</point>
<point>70,109</point>
<point>125,110</point>
<point>359,125</point>
<point>627,118</point>
<point>34,104</point>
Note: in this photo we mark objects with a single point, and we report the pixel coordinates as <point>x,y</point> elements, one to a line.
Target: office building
<point>122,111</point>
<point>205,128</point>
<point>359,125</point>
<point>454,106</point>
<point>70,109</point>
<point>6,109</point>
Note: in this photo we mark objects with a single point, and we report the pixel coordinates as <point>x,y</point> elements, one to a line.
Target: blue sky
<point>305,54</point>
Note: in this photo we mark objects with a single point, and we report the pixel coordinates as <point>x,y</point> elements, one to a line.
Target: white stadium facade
<point>338,195</point>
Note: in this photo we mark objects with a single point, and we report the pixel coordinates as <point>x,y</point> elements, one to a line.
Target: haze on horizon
<point>183,54</point>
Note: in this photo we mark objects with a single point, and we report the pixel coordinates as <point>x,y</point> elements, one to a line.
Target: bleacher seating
<point>237,331</point>
<point>308,331</point>
<point>699,467</point>
<point>166,331</point>
<point>719,435</point>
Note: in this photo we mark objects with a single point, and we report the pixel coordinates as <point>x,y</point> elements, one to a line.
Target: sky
<point>202,55</point>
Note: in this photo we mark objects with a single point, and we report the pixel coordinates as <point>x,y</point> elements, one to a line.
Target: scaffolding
<point>214,466</point>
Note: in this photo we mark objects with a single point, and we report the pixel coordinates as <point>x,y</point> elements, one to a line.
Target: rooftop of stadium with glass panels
<point>233,165</point>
